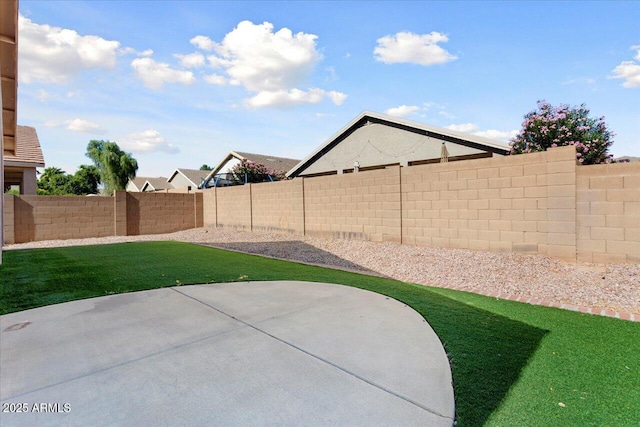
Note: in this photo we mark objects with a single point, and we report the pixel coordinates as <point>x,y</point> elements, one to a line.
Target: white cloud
<point>155,74</point>
<point>84,126</point>
<point>463,127</point>
<point>192,60</point>
<point>336,97</point>
<point>55,55</point>
<point>130,50</point>
<point>148,141</point>
<point>491,133</point>
<point>216,79</point>
<point>403,110</point>
<point>272,65</point>
<point>629,70</point>
<point>292,97</point>
<point>203,42</point>
<point>77,125</point>
<point>406,47</point>
<point>266,61</point>
<point>497,134</point>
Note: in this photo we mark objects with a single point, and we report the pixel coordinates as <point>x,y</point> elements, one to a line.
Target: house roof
<point>156,184</point>
<point>193,175</point>
<point>28,152</point>
<point>138,182</point>
<point>368,117</point>
<point>282,164</point>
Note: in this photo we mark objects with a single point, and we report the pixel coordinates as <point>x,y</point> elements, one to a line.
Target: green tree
<point>56,182</point>
<point>53,182</point>
<point>205,167</point>
<point>84,181</point>
<point>550,126</point>
<point>116,167</point>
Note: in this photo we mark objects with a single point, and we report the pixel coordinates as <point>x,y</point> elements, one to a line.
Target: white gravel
<point>613,287</point>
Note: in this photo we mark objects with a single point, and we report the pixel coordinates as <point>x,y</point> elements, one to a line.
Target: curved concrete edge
<point>277,352</point>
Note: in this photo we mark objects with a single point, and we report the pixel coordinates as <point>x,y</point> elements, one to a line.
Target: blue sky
<point>181,83</point>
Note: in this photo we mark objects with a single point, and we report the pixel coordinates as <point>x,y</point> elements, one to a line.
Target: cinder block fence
<point>33,218</point>
<point>533,203</point>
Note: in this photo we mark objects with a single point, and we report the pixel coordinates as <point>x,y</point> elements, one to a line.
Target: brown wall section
<point>608,213</point>
<point>33,218</point>
<point>157,213</point>
<point>209,208</point>
<point>234,207</point>
<point>363,205</point>
<point>60,217</point>
<point>278,206</point>
<point>522,203</point>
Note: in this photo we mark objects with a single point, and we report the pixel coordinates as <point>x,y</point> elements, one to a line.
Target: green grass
<point>512,363</point>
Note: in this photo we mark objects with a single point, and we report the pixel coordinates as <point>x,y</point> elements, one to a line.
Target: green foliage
<point>55,182</point>
<point>115,166</point>
<point>85,181</point>
<point>250,172</point>
<point>205,167</point>
<point>550,126</point>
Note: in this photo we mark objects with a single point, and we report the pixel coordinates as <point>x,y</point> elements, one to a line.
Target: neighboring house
<point>156,184</point>
<point>185,178</point>
<point>135,185</point>
<point>20,165</point>
<point>218,175</point>
<point>375,141</point>
<point>147,183</point>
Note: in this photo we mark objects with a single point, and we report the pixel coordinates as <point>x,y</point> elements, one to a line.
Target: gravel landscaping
<point>614,287</point>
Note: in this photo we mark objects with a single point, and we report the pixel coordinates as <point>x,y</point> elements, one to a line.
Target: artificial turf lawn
<point>512,363</point>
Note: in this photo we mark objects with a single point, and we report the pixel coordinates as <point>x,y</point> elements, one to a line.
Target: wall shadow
<point>133,215</point>
<point>487,351</point>
<point>295,250</point>
<point>23,213</point>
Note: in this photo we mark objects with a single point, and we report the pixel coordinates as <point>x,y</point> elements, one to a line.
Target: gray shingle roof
<point>156,184</point>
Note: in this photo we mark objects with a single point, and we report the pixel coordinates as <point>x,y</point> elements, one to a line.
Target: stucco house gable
<point>156,184</point>
<point>373,140</point>
<point>20,165</point>
<point>184,178</point>
<point>135,185</point>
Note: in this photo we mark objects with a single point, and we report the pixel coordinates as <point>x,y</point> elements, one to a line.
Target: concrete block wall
<point>608,212</point>
<point>364,205</point>
<point>234,207</point>
<point>60,217</point>
<point>157,213</point>
<point>9,219</point>
<point>209,208</point>
<point>278,206</point>
<point>496,204</point>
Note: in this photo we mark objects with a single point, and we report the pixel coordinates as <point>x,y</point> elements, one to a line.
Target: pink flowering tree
<point>550,126</point>
<point>251,172</point>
